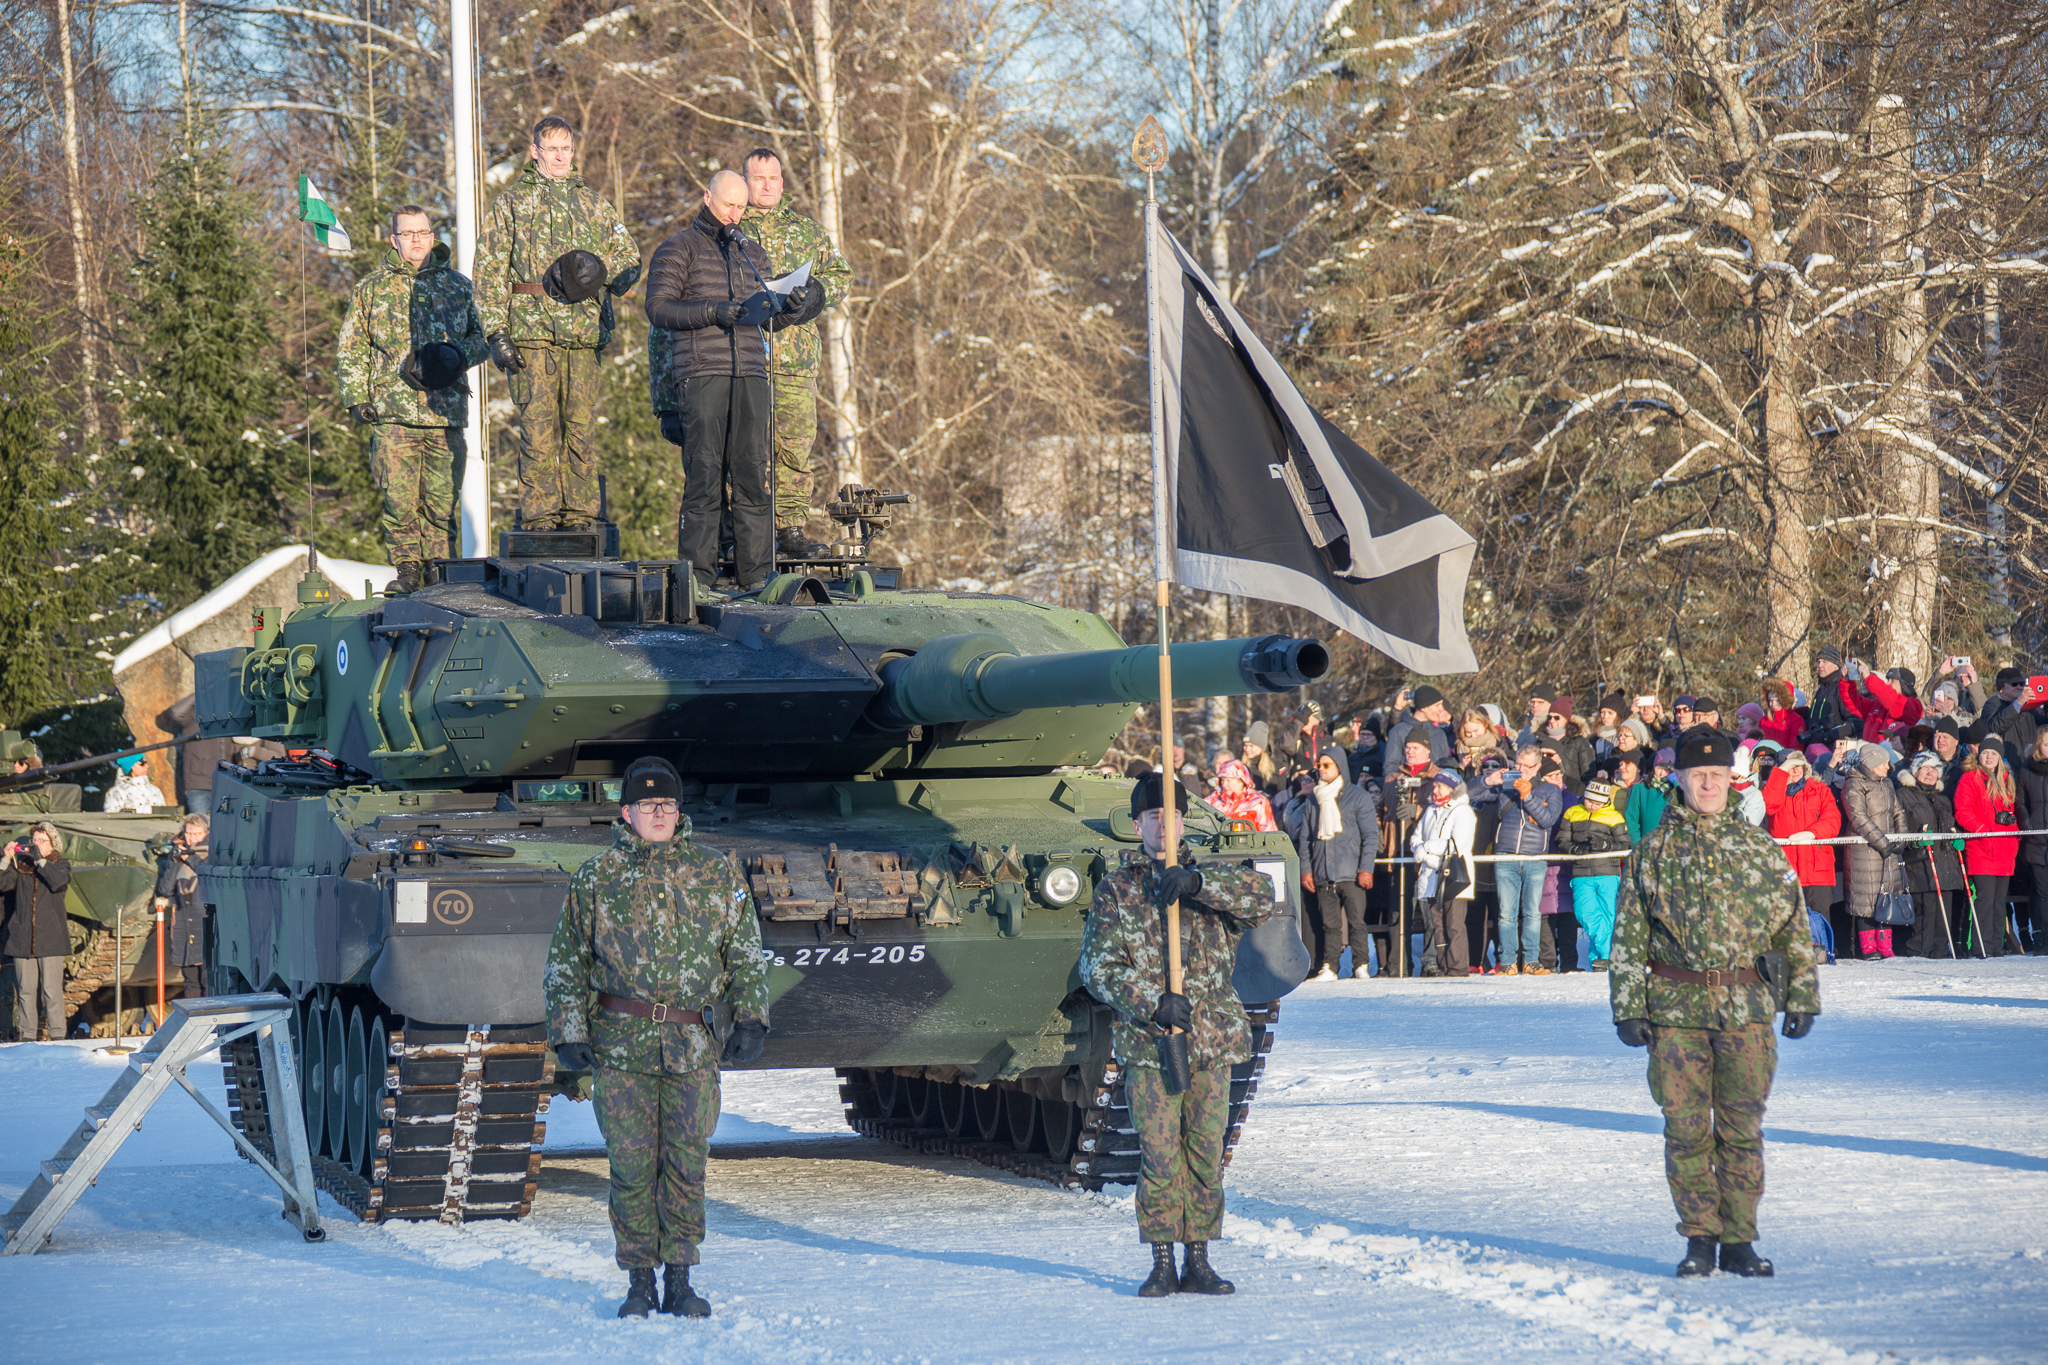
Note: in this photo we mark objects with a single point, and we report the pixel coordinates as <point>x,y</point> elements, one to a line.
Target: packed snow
<point>1434,1171</point>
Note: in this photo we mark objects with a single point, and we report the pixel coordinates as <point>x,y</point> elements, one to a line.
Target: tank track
<point>1105,1150</point>
<point>459,1131</point>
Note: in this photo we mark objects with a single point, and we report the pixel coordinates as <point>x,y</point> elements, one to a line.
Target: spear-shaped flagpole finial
<point>1148,146</point>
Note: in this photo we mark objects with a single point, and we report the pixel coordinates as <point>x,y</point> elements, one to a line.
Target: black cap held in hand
<point>1148,793</point>
<point>574,277</point>
<point>1704,748</point>
<point>651,779</point>
<point>441,364</point>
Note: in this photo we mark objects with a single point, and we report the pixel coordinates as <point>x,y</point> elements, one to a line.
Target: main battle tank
<point>900,775</point>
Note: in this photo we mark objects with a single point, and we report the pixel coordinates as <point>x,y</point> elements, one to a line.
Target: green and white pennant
<point>327,229</point>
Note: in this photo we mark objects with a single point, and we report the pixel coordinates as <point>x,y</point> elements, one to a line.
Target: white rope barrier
<point>1619,854</point>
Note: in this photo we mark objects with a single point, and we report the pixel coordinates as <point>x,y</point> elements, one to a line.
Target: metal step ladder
<point>194,1028</point>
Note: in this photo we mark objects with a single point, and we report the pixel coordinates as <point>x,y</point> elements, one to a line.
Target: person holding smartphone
<point>33,879</point>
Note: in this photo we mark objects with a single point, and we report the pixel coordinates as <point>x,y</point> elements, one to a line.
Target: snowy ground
<point>1434,1171</point>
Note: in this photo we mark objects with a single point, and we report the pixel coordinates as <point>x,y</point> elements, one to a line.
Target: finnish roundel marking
<point>453,907</point>
<point>341,658</point>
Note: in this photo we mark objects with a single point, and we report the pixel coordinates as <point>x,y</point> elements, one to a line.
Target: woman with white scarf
<point>1448,828</point>
<point>1337,835</point>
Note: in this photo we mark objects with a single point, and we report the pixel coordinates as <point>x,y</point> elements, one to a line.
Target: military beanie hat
<point>574,277</point>
<point>440,365</point>
<point>1704,748</point>
<point>651,779</point>
<point>1148,793</point>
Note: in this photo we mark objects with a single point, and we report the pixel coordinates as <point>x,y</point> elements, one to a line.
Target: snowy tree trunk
<point>1998,577</point>
<point>81,249</point>
<point>835,328</point>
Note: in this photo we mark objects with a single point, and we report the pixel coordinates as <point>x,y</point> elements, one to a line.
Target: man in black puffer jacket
<point>699,288</point>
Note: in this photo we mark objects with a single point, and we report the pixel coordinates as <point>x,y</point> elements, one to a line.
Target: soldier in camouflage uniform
<point>553,255</point>
<point>1705,895</point>
<point>1123,964</point>
<point>409,325</point>
<point>654,933</point>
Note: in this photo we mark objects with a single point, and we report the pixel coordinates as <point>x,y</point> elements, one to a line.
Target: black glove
<point>504,354</point>
<point>1634,1032</point>
<point>2005,817</point>
<point>744,1043</point>
<point>1173,1012</point>
<point>1179,884</point>
<point>575,1057</point>
<point>574,277</point>
<point>800,306</point>
<point>1798,1025</point>
<point>364,414</point>
<point>728,314</point>
<point>433,366</point>
<point>672,428</point>
<point>1881,844</point>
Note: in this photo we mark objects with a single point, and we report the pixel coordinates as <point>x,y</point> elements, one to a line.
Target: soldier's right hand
<point>1634,1032</point>
<point>575,1057</point>
<point>504,354</point>
<point>1797,1025</point>
<point>727,314</point>
<point>1173,1012</point>
<point>364,414</point>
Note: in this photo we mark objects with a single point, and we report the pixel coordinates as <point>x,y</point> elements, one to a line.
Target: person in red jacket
<point>1239,798</point>
<point>1801,808</point>
<point>1783,723</point>
<point>1984,803</point>
<point>1881,705</point>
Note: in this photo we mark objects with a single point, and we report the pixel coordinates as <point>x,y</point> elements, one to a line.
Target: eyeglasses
<point>658,807</point>
<point>420,235</point>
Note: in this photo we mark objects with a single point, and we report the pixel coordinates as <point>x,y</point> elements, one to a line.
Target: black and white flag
<point>1260,496</point>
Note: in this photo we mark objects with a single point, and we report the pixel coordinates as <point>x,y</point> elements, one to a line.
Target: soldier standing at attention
<point>1707,894</point>
<point>655,932</point>
<point>1123,964</point>
<point>411,333</point>
<point>552,257</point>
<point>792,240</point>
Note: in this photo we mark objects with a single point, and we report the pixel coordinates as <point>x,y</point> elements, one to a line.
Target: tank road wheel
<point>956,1109</point>
<point>987,1104</point>
<point>1062,1124</point>
<point>1020,1114</point>
<point>890,1094</point>
<point>918,1105</point>
<point>356,1103</point>
<point>377,1088</point>
<point>313,1074</point>
<point>337,1082</point>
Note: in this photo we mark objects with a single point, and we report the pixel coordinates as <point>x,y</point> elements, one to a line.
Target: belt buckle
<point>660,1015</point>
<point>1714,975</point>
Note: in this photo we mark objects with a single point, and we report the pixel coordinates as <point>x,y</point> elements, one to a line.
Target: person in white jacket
<point>132,793</point>
<point>1448,828</point>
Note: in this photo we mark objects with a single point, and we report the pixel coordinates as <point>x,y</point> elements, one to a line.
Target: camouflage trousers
<point>1712,1084</point>
<point>1180,1169</point>
<point>418,469</point>
<point>657,1132</point>
<point>556,395</point>
<point>796,431</point>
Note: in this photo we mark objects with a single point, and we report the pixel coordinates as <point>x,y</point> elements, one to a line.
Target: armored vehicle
<point>901,776</point>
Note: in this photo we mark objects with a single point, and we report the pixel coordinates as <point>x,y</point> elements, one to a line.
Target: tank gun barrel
<point>34,775</point>
<point>981,676</point>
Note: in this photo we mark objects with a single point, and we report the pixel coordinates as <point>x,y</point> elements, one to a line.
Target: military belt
<point>527,289</point>
<point>1744,976</point>
<point>662,1014</point>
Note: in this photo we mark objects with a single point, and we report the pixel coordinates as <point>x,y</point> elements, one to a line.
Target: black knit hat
<point>1947,726</point>
<point>1543,692</point>
<point>1908,684</point>
<point>1828,654</point>
<point>1704,748</point>
<point>1616,702</point>
<point>1706,704</point>
<point>1426,695</point>
<point>1148,793</point>
<point>650,779</point>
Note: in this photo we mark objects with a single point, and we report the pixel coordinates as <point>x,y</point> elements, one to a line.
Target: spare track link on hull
<point>459,1127</point>
<point>1102,1148</point>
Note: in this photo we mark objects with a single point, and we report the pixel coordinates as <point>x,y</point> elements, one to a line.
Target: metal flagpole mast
<point>1148,149</point>
<point>475,512</point>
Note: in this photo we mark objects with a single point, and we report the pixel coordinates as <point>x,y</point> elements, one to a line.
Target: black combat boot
<point>640,1295</point>
<point>1195,1275</point>
<point>678,1298</point>
<point>408,575</point>
<point>792,543</point>
<point>1699,1258</point>
<point>1162,1280</point>
<point>1740,1258</point>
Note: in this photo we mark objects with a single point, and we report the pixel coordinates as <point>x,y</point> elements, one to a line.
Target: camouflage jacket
<point>1123,958</point>
<point>791,239</point>
<point>661,380</point>
<point>393,313</point>
<point>668,924</point>
<point>1707,892</point>
<point>532,223</point>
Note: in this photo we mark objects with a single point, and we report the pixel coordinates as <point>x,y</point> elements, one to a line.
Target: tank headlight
<point>1060,885</point>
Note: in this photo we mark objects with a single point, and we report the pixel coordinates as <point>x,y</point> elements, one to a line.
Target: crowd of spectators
<point>1385,810</point>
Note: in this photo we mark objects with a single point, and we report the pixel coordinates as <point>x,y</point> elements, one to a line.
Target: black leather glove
<point>800,306</point>
<point>1634,1032</point>
<point>672,428</point>
<point>574,277</point>
<point>728,314</point>
<point>1798,1025</point>
<point>364,413</point>
<point>575,1057</point>
<point>2005,817</point>
<point>433,366</point>
<point>1179,884</point>
<point>1173,1012</point>
<point>744,1043</point>
<point>504,354</point>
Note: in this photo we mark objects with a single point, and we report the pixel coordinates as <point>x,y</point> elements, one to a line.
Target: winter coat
<point>1644,810</point>
<point>1826,716</point>
<point>1526,822</point>
<point>2031,777</point>
<point>1342,856</point>
<point>704,265</point>
<point>394,312</point>
<point>132,794</point>
<point>1870,809</point>
<point>1397,738</point>
<point>177,881</point>
<point>1595,831</point>
<point>1976,810</point>
<point>1250,804</point>
<point>32,910</point>
<point>533,223</point>
<point>1442,829</point>
<point>1811,810</point>
<point>1928,811</point>
<point>2005,720</point>
<point>1879,705</point>
<point>1574,755</point>
<point>1784,727</point>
